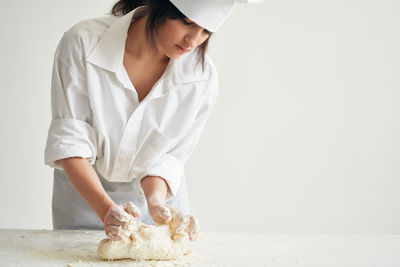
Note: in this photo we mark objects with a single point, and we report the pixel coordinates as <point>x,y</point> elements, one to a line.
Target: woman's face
<point>178,36</point>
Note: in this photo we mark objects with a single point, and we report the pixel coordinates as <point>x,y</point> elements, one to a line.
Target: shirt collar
<point>109,51</point>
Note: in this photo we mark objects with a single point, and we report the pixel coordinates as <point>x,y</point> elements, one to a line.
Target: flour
<point>146,242</point>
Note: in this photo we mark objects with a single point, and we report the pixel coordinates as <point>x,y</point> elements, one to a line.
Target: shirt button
<point>123,158</point>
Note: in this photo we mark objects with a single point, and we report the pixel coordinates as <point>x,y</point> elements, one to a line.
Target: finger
<point>165,213</point>
<point>158,218</point>
<point>119,214</point>
<point>113,229</point>
<point>184,222</point>
<point>161,214</point>
<point>110,219</point>
<point>193,228</point>
<point>190,236</point>
<point>112,236</point>
<point>174,212</point>
<point>193,224</point>
<point>116,232</point>
<point>193,236</point>
<point>132,209</point>
<point>110,233</point>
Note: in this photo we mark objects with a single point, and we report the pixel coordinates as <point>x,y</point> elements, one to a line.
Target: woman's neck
<point>137,46</point>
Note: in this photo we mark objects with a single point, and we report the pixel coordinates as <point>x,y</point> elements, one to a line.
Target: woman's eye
<point>184,20</point>
<point>187,22</point>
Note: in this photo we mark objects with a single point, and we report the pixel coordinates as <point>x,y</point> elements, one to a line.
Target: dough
<point>146,242</point>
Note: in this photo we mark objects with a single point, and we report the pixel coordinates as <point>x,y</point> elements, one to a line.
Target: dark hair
<point>159,11</point>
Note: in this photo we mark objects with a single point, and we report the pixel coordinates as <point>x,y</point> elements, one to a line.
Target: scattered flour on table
<point>155,247</point>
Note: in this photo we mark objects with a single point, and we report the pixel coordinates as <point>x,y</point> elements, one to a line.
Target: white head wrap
<point>209,14</point>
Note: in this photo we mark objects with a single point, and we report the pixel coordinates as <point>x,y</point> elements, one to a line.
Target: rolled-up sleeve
<point>69,138</point>
<point>70,133</point>
<point>170,166</point>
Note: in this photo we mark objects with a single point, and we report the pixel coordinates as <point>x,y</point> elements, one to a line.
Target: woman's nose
<point>193,38</point>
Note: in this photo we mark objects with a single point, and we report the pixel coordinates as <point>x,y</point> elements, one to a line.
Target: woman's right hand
<point>117,219</point>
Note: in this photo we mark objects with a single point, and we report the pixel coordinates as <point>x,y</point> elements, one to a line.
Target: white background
<point>304,137</point>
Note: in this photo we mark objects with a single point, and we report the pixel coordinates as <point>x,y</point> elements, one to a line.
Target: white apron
<point>71,212</point>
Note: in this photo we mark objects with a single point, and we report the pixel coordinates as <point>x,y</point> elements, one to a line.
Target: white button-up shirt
<point>96,113</point>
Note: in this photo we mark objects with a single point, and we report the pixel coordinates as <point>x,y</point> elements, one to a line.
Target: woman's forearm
<point>86,182</point>
<point>155,189</point>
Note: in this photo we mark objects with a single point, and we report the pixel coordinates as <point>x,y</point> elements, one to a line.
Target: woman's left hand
<point>178,221</point>
<point>160,214</point>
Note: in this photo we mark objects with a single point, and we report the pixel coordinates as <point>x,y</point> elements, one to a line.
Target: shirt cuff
<point>167,167</point>
<point>70,138</point>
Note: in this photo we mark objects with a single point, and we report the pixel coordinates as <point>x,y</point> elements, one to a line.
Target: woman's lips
<point>181,49</point>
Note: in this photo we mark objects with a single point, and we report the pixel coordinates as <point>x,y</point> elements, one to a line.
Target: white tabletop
<point>78,248</point>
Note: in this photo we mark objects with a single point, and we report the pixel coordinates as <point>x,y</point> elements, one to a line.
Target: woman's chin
<point>174,56</point>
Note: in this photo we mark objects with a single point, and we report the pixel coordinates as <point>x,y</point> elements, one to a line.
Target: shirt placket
<point>128,145</point>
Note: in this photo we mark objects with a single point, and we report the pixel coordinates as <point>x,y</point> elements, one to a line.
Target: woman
<point>131,94</point>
